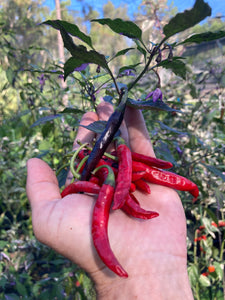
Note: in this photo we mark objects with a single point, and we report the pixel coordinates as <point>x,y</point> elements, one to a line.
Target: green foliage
<point>188,18</point>
<point>40,119</point>
<point>126,28</point>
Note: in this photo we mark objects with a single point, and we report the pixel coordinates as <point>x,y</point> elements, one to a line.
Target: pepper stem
<point>110,179</point>
<point>119,140</point>
<point>75,174</point>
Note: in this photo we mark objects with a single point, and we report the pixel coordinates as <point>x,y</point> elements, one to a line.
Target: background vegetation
<point>32,99</point>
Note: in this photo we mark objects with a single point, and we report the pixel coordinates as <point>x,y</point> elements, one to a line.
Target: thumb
<point>42,185</point>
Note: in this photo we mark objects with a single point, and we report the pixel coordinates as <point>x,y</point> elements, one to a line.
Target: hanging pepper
<point>100,224</point>
<point>124,176</point>
<point>106,137</point>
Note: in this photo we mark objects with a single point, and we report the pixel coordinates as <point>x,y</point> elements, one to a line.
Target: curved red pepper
<point>143,186</point>
<point>132,208</point>
<point>137,175</point>
<point>100,226</point>
<point>171,180</point>
<point>132,187</point>
<point>81,186</point>
<point>151,161</point>
<point>124,176</point>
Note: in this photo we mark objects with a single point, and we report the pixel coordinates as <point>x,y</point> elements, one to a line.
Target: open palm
<point>143,247</point>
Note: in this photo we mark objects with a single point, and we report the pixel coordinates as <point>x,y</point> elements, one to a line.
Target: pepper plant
<point>91,69</point>
<point>92,72</point>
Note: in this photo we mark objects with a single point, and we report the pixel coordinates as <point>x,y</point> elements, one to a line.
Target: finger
<point>104,111</point>
<point>138,133</point>
<point>84,135</point>
<point>42,185</point>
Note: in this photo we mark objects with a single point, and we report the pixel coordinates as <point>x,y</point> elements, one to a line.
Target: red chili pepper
<point>95,179</point>
<point>100,225</point>
<point>81,186</point>
<point>138,166</point>
<point>151,161</point>
<point>137,175</point>
<point>124,176</point>
<point>143,186</point>
<point>132,187</point>
<point>172,180</point>
<point>103,161</point>
<point>132,208</point>
<point>83,153</point>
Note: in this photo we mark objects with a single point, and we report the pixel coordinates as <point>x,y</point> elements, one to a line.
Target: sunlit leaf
<point>193,274</point>
<point>176,66</point>
<point>80,54</point>
<point>187,19</point>
<point>204,37</point>
<point>127,28</point>
<point>204,280</point>
<point>71,29</point>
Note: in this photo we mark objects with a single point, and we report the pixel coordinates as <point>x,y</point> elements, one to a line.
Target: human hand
<point>153,252</point>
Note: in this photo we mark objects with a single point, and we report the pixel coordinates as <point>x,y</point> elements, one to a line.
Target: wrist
<point>165,280</point>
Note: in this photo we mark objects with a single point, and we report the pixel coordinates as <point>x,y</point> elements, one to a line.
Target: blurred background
<point>34,123</point>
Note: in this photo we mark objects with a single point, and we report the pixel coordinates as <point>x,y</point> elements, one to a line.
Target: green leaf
<point>150,105</point>
<point>12,297</point>
<point>176,66</point>
<point>82,56</point>
<point>193,274</point>
<point>164,126</point>
<point>208,227</point>
<point>187,19</point>
<point>204,37</point>
<point>215,171</point>
<point>62,177</point>
<point>130,67</point>
<point>212,216</point>
<point>219,269</point>
<point>45,119</point>
<point>127,28</point>
<point>141,49</point>
<point>122,52</point>
<point>71,29</point>
<point>21,288</point>
<point>71,110</point>
<point>204,281</point>
<point>97,126</point>
<point>10,74</point>
<point>164,152</point>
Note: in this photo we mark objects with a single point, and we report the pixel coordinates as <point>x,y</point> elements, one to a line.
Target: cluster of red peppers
<point>114,180</point>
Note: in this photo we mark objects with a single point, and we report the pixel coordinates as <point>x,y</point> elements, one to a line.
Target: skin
<point>153,252</point>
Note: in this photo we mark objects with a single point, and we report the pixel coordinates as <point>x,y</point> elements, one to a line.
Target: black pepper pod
<point>106,137</point>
